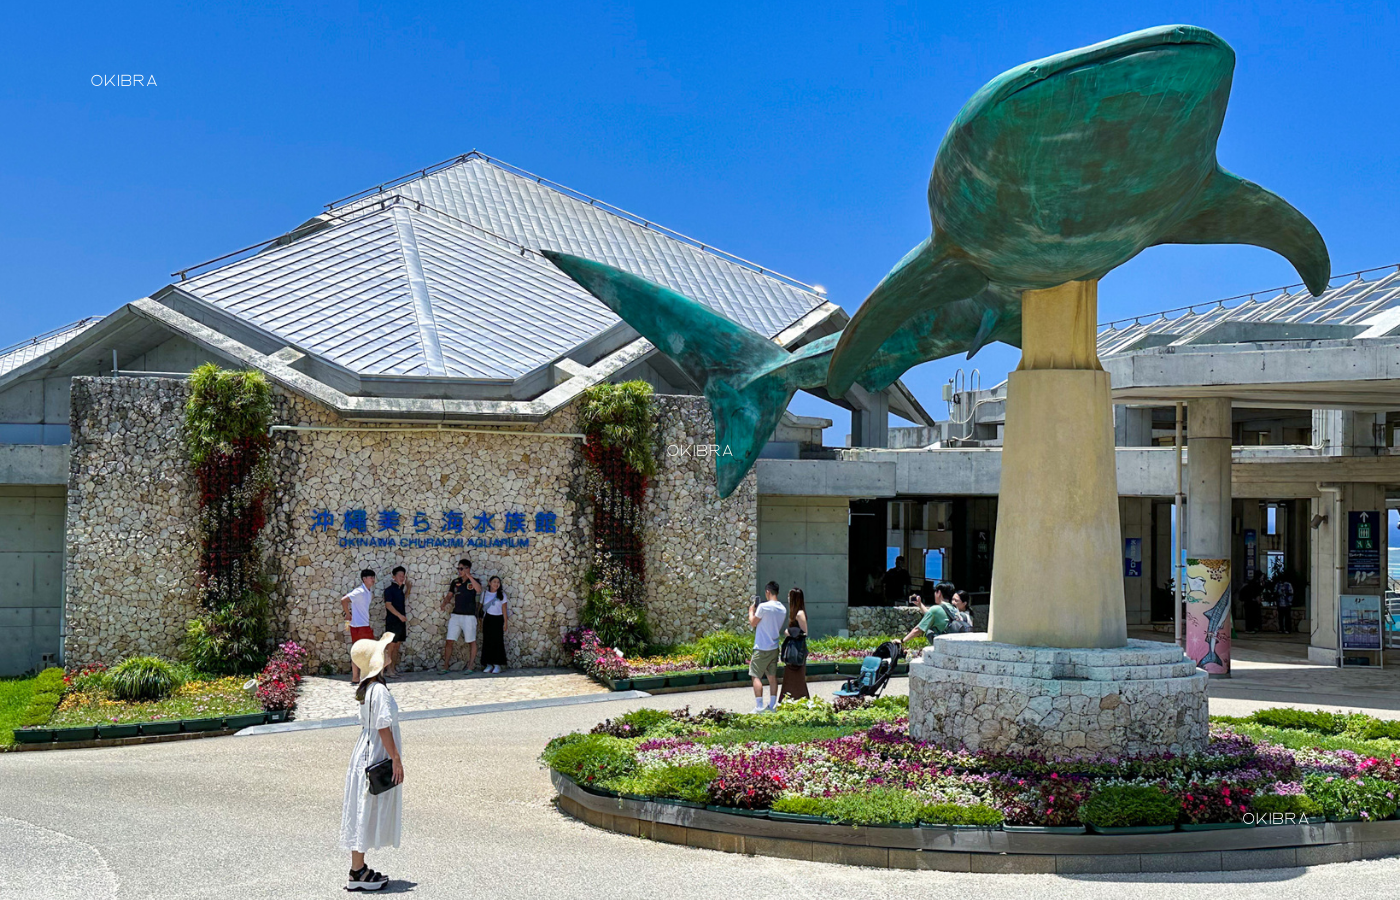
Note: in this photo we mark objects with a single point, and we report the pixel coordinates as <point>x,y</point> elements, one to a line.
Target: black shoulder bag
<point>794,652</point>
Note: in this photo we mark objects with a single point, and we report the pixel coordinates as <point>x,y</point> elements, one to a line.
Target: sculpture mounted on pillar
<point>1056,171</point>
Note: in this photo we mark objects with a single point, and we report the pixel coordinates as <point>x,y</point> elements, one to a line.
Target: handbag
<point>380,776</point>
<point>794,652</point>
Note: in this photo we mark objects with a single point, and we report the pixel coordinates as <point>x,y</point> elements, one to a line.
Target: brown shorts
<point>764,663</point>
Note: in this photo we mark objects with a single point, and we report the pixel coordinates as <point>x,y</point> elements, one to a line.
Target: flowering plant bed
<point>712,659</point>
<point>857,764</point>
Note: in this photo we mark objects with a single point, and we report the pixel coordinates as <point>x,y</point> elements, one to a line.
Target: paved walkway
<point>258,817</point>
<point>334,697</point>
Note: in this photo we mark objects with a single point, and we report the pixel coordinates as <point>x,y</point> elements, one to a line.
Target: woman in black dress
<point>494,622</point>
<point>795,677</point>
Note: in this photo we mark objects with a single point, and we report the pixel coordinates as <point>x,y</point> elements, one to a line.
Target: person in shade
<point>356,606</point>
<point>494,622</point>
<point>795,648</point>
<point>372,821</point>
<point>767,619</point>
<point>396,617</point>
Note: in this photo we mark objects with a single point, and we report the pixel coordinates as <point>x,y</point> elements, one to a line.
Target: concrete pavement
<point>258,817</point>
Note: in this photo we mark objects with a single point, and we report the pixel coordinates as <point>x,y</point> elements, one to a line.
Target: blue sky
<point>797,135</point>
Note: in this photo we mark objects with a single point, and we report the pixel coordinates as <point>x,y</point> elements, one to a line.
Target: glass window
<point>1271,520</point>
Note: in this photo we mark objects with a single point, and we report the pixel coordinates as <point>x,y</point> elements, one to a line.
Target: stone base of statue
<point>1142,698</point>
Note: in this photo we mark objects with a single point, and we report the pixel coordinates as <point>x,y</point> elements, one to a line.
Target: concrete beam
<point>825,478</point>
<point>33,464</point>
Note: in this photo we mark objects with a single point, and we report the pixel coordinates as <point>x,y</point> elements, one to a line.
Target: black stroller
<point>875,672</point>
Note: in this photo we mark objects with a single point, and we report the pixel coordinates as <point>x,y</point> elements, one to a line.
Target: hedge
<point>48,690</point>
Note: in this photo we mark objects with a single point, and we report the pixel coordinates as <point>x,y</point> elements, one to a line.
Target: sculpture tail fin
<point>1231,210</point>
<point>748,379</point>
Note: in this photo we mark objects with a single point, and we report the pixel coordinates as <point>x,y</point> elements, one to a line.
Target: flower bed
<point>857,764</point>
<point>720,656</point>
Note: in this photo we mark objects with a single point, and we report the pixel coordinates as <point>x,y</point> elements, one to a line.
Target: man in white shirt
<point>767,619</point>
<point>356,607</point>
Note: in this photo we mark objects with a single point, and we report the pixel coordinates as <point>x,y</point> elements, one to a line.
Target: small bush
<point>743,786</point>
<point>1126,805</point>
<point>138,679</point>
<point>723,648</point>
<point>633,724</point>
<point>1368,728</point>
<point>91,678</point>
<point>801,806</point>
<point>1301,720</point>
<point>1210,803</point>
<point>48,690</point>
<point>1341,797</point>
<point>955,814</point>
<point>591,759</point>
<point>691,783</point>
<point>880,806</point>
<point>278,681</point>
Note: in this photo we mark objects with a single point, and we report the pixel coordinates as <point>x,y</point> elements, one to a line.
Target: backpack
<point>794,652</point>
<point>957,623</point>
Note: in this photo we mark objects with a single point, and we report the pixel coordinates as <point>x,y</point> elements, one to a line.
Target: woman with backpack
<point>794,651</point>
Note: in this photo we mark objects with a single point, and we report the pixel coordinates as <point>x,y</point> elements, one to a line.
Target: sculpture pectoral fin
<point>1231,210</point>
<point>928,277</point>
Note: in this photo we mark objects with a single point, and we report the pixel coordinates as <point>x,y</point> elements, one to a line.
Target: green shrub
<point>633,724</point>
<point>956,814</point>
<point>690,783</point>
<point>231,640</point>
<point>1126,805</point>
<point>723,648</point>
<point>1296,804</point>
<point>1346,798</point>
<point>591,759</point>
<point>1369,728</point>
<point>801,806</point>
<point>142,678</point>
<point>880,806</point>
<point>48,691</point>
<point>1301,720</point>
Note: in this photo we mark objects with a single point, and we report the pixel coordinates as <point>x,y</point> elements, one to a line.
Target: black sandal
<point>366,879</point>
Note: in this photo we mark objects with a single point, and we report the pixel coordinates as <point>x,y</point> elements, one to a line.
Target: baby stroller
<point>875,672</point>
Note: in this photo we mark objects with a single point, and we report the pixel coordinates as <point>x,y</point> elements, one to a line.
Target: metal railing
<point>56,332</point>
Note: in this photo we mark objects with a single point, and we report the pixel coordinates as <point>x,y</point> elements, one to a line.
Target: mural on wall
<point>1208,622</point>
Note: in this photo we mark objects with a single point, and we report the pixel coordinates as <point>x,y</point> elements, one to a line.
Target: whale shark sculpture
<point>1058,170</point>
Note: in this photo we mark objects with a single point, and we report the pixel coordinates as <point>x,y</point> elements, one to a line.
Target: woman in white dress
<point>371,821</point>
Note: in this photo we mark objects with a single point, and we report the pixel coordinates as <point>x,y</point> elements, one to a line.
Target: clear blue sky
<point>798,135</point>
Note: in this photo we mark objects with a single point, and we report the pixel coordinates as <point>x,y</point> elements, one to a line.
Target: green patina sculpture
<point>1058,170</point>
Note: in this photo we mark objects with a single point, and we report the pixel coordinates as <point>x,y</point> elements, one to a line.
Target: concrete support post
<point>1208,496</point>
<point>870,420</point>
<point>1058,576</point>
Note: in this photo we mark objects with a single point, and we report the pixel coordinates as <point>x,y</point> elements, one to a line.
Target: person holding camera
<point>767,619</point>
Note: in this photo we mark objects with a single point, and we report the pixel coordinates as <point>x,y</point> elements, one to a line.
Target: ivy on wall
<point>226,422</point>
<point>619,456</point>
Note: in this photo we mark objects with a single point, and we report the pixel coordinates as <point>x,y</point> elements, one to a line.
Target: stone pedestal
<point>1145,697</point>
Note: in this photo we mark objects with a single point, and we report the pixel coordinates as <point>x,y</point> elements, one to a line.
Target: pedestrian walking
<point>494,623</point>
<point>461,598</point>
<point>794,650</point>
<point>396,617</point>
<point>767,619</point>
<point>370,821</point>
<point>356,607</point>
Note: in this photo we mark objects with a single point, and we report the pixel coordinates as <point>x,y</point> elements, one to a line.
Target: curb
<point>450,712</point>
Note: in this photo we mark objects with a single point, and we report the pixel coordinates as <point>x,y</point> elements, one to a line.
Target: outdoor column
<point>1208,497</point>
<point>1058,576</point>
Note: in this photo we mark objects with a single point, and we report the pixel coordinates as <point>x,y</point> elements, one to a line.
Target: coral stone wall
<point>132,535</point>
<point>131,477</point>
<point>869,621</point>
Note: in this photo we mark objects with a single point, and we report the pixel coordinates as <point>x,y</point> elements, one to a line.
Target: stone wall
<point>701,551</point>
<point>863,621</point>
<point>132,537</point>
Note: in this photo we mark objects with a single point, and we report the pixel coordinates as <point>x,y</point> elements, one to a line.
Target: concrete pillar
<point>1330,577</point>
<point>1132,426</point>
<point>870,420</point>
<point>1058,578</point>
<point>1208,539</point>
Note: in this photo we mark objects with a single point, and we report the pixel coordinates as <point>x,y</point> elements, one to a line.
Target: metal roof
<point>391,288</point>
<point>1363,304</point>
<point>533,212</point>
<point>16,355</point>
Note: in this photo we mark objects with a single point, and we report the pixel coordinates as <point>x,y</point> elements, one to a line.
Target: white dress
<point>371,821</point>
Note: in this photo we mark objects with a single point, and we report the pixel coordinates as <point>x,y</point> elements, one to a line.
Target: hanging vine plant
<point>619,456</point>
<point>226,422</point>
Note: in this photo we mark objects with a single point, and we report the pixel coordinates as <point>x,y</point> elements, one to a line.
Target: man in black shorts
<point>396,616</point>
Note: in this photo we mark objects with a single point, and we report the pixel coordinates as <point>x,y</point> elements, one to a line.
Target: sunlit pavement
<point>259,817</point>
